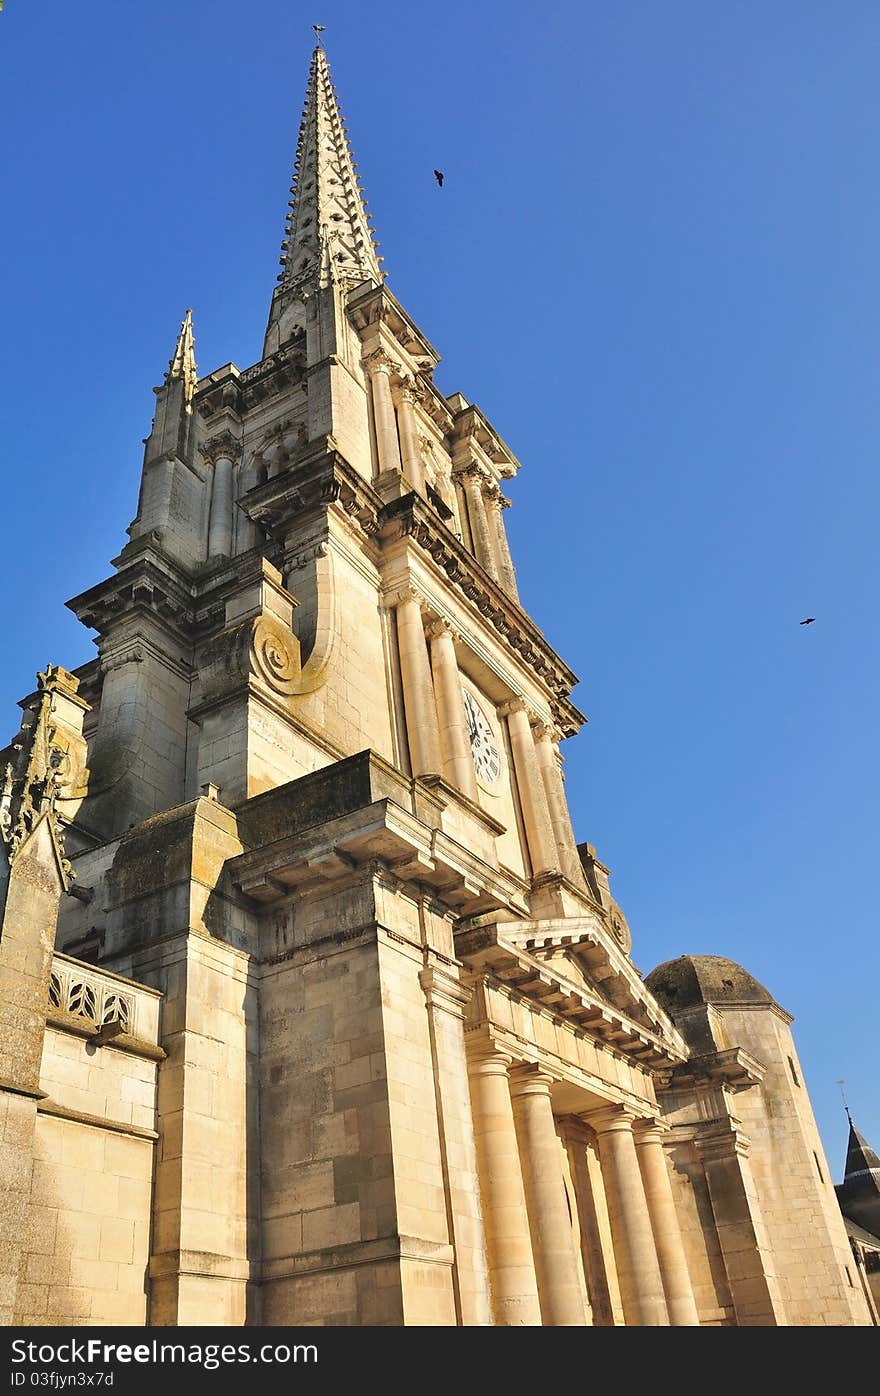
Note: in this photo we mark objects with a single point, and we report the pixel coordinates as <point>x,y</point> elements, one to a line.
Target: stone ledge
<point>125,1042</point>
<point>208,1264</point>
<point>358,1253</point>
<point>47,1106</point>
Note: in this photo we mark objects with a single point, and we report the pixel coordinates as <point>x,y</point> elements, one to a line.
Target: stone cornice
<point>318,476</point>
<point>484,950</point>
<point>733,1068</point>
<point>375,305</point>
<point>410,516</point>
<point>546,944</point>
<point>147,584</point>
<point>470,423</point>
<point>275,374</point>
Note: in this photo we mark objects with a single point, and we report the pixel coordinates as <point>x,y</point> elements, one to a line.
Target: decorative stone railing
<point>72,991</point>
<point>98,997</point>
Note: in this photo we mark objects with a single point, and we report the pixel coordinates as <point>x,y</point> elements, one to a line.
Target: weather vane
<point>319,29</point>
<point>841,1084</point>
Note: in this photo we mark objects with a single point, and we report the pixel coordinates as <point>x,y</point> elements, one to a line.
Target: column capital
<point>380,362</point>
<point>545,731</point>
<point>530,1079</point>
<point>719,1145</point>
<point>612,1119</point>
<point>472,474</point>
<point>223,446</point>
<point>393,599</point>
<point>438,626</point>
<point>487,1059</point>
<point>408,390</point>
<point>444,992</point>
<point>491,492</point>
<point>650,1129</point>
<point>504,502</point>
<point>513,705</point>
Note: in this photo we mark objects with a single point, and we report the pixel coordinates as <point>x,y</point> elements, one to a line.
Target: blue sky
<point>653,265</point>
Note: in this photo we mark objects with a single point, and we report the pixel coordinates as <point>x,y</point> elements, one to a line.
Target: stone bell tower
<point>388,1058</point>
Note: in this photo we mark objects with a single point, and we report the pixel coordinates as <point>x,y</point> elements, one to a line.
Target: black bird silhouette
<point>438,175</point>
<point>809,620</point>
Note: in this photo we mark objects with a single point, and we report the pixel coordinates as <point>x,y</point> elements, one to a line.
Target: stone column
<point>559,1288</point>
<point>387,445</point>
<point>413,465</point>
<point>495,503</point>
<point>418,688</point>
<point>505,1218</point>
<point>577,1140</point>
<point>221,451</point>
<point>484,550</point>
<point>539,831</point>
<point>548,762</point>
<point>458,764</point>
<point>638,1272</point>
<point>446,999</point>
<point>677,1285</point>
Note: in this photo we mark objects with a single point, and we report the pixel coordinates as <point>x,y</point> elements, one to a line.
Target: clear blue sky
<point>654,266</point>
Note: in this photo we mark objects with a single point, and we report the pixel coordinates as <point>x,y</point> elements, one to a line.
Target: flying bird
<point>809,620</point>
<point>438,175</point>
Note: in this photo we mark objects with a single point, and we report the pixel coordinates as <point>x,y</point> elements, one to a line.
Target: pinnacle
<point>183,362</point>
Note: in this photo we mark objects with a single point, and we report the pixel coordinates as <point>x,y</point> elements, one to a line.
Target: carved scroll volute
<point>275,656</point>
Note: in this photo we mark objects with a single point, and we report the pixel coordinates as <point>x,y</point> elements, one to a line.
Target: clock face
<point>487,758</point>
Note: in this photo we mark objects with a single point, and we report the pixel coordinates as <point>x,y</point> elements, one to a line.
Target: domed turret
<point>692,980</point>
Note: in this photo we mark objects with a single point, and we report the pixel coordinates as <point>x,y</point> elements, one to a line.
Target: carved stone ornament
<point>223,446</point>
<point>619,927</point>
<point>30,783</point>
<point>274,656</point>
<point>380,362</point>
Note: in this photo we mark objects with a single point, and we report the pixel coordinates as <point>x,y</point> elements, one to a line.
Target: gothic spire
<point>183,363</point>
<point>327,233</point>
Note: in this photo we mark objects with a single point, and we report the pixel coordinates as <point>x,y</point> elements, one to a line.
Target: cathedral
<point>314,1010</point>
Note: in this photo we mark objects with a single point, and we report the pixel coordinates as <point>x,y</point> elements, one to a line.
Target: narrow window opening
<point>818,1167</point>
<point>849,1277</point>
<point>793,1069</point>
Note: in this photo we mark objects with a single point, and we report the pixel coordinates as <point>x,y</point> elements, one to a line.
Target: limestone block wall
<point>352,705</point>
<point>248,746</point>
<point>76,917</point>
<point>206,1176</point>
<point>137,757</point>
<point>327,1186</point>
<point>418,1174</point>
<point>88,1234</point>
<point>175,495</point>
<point>804,1226</point>
<point>368,1171</point>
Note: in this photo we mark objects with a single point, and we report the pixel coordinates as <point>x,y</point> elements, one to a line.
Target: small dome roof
<point>694,979</point>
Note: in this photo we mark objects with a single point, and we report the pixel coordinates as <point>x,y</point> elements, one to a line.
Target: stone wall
<point>91,1176</point>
